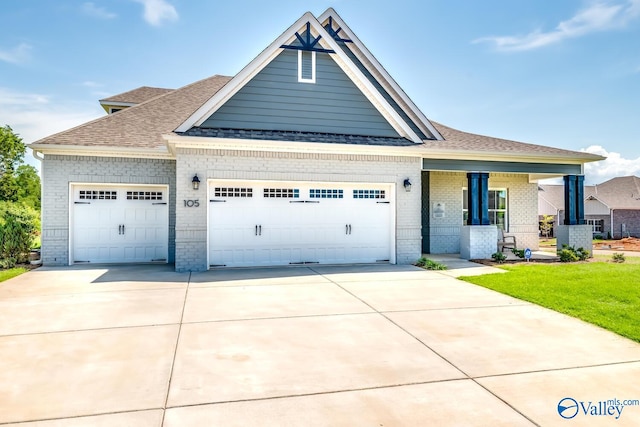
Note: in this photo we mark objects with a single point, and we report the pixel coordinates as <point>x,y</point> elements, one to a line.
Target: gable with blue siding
<point>382,91</point>
<point>275,100</point>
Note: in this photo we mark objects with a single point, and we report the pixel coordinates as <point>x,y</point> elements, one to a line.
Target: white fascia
<point>74,150</point>
<point>261,61</point>
<point>117,104</point>
<point>367,58</point>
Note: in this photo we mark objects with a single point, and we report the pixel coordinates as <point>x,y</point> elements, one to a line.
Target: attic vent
<point>306,66</point>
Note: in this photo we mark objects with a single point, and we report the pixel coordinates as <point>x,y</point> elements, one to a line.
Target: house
<point>311,154</point>
<point>612,208</point>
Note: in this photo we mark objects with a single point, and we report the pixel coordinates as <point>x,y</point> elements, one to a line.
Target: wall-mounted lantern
<point>407,185</point>
<point>195,182</point>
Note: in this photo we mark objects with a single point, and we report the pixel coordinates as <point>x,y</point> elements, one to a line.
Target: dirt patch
<point>626,244</point>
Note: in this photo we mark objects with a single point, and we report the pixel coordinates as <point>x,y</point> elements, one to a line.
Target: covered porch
<point>465,203</point>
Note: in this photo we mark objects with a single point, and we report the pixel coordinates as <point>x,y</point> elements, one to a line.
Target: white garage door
<point>119,224</point>
<point>279,223</point>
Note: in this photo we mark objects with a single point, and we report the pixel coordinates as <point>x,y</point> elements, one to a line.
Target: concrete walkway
<point>375,345</point>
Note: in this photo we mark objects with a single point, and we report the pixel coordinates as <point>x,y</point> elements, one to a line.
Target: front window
<point>497,207</point>
<point>597,225</point>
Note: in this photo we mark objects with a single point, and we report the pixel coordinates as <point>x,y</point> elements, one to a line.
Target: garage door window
<point>368,194</point>
<point>281,193</point>
<point>326,193</point>
<point>97,195</point>
<point>144,195</point>
<point>232,192</point>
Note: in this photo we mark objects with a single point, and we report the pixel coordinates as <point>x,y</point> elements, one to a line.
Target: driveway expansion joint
<point>175,349</point>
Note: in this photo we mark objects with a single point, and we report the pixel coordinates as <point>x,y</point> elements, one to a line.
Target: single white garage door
<point>279,223</point>
<point>119,224</point>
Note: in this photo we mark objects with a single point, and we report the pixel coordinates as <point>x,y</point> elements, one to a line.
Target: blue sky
<point>559,73</point>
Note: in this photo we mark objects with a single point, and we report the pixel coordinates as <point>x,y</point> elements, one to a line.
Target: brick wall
<point>191,231</point>
<point>58,172</point>
<point>446,188</point>
<point>577,236</point>
<point>478,241</point>
<point>631,220</point>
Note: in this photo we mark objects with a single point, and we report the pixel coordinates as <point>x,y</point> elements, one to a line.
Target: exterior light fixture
<point>407,185</point>
<point>195,182</point>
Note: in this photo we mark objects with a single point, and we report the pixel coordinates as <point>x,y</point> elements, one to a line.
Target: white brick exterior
<point>58,172</point>
<point>191,229</point>
<point>522,209</point>
<point>188,225</point>
<point>478,241</point>
<point>577,236</point>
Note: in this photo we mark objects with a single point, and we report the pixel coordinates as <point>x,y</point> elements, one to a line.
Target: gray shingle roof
<point>618,193</point>
<point>137,96</point>
<point>142,125</point>
<point>456,140</point>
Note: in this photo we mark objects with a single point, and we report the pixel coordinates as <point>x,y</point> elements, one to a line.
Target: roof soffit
<point>273,50</point>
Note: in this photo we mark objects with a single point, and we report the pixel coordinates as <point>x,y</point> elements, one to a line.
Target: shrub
<point>571,254</point>
<point>616,257</point>
<point>499,257</point>
<point>19,225</point>
<point>518,252</point>
<point>567,255</point>
<point>597,237</point>
<point>429,264</point>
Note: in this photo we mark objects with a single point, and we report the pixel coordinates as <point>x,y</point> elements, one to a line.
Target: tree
<point>28,183</point>
<point>546,225</point>
<point>12,151</point>
<point>19,225</point>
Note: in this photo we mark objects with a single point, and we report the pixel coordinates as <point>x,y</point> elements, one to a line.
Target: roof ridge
<point>167,90</point>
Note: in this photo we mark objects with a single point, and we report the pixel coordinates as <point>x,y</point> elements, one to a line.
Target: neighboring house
<point>612,208</point>
<point>311,154</point>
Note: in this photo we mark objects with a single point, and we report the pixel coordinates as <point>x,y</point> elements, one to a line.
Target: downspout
<point>611,226</point>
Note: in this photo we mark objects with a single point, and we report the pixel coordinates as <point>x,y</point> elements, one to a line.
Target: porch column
<point>573,199</point>
<point>574,232</point>
<point>478,198</point>
<point>479,238</point>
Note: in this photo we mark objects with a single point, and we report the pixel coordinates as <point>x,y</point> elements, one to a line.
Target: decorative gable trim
<point>340,57</point>
<point>352,42</point>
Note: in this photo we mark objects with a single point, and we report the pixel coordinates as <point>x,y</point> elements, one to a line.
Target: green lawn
<point>603,293</point>
<point>11,272</point>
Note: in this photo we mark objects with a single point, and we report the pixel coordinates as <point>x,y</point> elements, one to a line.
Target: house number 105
<point>191,203</point>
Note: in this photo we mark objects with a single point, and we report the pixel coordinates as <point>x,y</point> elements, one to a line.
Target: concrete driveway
<point>355,346</point>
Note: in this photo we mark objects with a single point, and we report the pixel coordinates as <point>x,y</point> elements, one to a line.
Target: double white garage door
<point>279,223</point>
<point>119,224</point>
<point>251,223</point>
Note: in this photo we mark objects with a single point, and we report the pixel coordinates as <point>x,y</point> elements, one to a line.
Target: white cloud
<point>598,16</point>
<point>614,165</point>
<point>90,9</point>
<point>34,116</point>
<point>156,12</point>
<point>17,55</point>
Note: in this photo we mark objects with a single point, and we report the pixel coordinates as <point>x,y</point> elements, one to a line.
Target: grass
<point>550,242</point>
<point>11,272</point>
<point>603,293</point>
